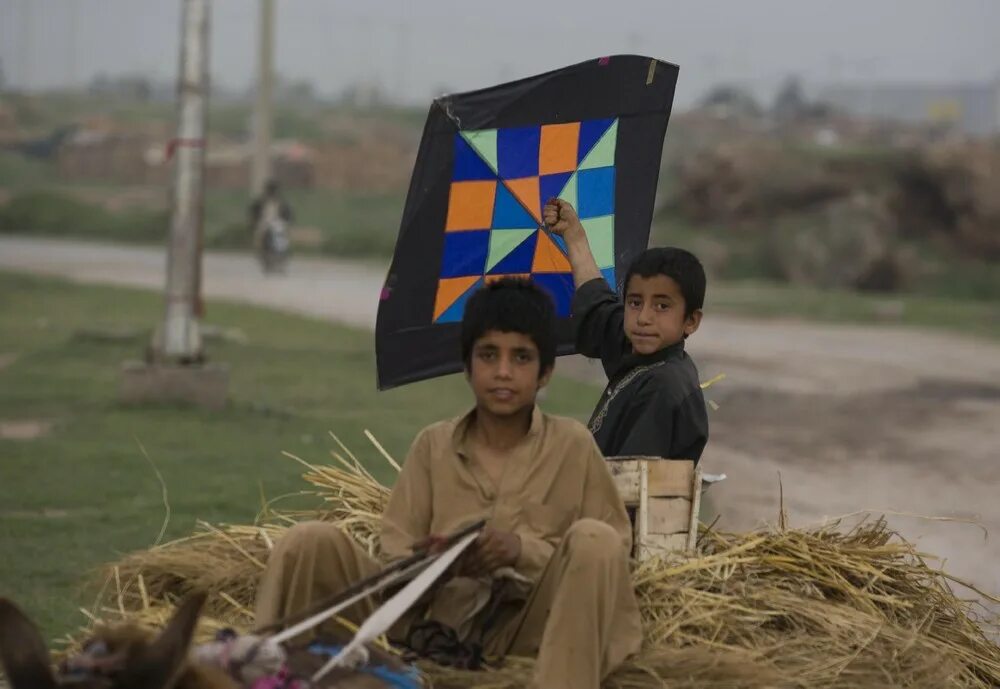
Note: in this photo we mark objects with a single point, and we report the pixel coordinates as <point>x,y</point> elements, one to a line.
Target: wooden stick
<point>695,510</point>
<point>365,586</point>
<point>642,519</point>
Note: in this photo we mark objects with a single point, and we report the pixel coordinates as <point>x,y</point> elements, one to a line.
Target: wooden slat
<point>627,481</point>
<point>692,539</point>
<point>662,543</point>
<point>671,478</point>
<point>668,515</point>
<point>664,495</point>
<point>667,478</point>
<point>642,514</point>
<point>625,459</point>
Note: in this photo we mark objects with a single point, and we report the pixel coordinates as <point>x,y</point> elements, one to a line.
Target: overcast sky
<point>414,49</point>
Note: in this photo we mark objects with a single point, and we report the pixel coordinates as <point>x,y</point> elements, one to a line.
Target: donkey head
<point>120,657</point>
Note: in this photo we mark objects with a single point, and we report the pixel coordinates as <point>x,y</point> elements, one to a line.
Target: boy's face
<point>654,314</point>
<point>504,372</point>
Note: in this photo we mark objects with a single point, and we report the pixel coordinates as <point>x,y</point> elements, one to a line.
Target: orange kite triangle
<point>527,192</point>
<point>450,289</point>
<point>548,257</point>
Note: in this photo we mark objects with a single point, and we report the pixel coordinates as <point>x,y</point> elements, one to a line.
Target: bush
<point>848,244</point>
<point>18,171</point>
<point>53,213</point>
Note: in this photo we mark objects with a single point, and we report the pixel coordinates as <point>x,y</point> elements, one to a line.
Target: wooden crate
<point>665,495</point>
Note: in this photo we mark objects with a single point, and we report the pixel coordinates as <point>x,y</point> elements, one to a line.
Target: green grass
<point>19,172</point>
<point>946,288</point>
<point>234,120</point>
<point>41,113</point>
<point>770,300</point>
<point>56,213</point>
<point>84,494</point>
<point>350,224</point>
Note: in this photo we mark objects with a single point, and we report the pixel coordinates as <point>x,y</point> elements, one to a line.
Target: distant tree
<point>297,91</point>
<point>790,101</point>
<point>731,100</point>
<point>361,95</point>
<point>132,86</point>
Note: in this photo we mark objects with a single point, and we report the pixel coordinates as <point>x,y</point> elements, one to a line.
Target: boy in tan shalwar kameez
<point>557,534</point>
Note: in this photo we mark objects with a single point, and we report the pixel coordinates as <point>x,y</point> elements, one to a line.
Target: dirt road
<point>853,417</point>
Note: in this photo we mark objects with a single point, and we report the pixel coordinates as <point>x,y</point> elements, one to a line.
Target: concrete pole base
<point>200,385</point>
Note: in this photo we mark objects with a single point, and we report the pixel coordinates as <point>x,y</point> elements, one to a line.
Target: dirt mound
<point>953,190</point>
<point>842,215</point>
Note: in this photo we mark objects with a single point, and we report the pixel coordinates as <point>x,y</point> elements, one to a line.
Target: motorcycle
<point>275,247</point>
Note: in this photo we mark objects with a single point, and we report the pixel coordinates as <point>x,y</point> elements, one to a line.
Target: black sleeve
<point>690,427</point>
<point>659,427</point>
<point>599,316</point>
<point>286,212</point>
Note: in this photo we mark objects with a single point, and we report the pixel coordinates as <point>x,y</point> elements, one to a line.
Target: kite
<point>591,134</point>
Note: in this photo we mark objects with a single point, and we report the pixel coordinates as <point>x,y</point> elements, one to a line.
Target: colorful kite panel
<point>501,179</point>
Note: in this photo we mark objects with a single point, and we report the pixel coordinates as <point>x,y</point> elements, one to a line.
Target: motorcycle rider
<point>269,212</point>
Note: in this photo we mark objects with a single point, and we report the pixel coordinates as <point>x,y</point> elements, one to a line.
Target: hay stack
<point>781,608</point>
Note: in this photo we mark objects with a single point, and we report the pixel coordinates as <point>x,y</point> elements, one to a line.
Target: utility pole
<point>180,340</point>
<point>27,45</point>
<point>175,368</point>
<point>72,44</point>
<point>262,117</point>
<point>402,55</point>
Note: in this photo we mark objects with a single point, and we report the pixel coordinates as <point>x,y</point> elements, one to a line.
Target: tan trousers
<point>581,621</point>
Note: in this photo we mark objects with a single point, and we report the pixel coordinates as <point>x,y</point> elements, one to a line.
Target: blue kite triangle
<point>550,186</point>
<point>468,165</point>
<point>560,288</point>
<point>590,132</point>
<point>519,260</point>
<point>609,276</point>
<point>560,242</point>
<point>508,213</point>
<point>454,313</point>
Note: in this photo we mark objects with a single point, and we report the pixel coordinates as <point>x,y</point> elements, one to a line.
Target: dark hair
<point>511,305</point>
<point>680,265</point>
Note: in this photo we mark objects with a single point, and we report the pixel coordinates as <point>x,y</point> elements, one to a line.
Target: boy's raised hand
<point>560,217</point>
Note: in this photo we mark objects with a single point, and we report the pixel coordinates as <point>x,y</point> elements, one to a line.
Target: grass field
<point>34,202</point>
<point>771,300</point>
<point>84,493</point>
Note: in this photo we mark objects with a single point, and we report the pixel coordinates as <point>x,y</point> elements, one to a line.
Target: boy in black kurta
<point>653,404</point>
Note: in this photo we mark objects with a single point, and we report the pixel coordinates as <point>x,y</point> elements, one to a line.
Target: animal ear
<point>23,654</point>
<point>159,664</point>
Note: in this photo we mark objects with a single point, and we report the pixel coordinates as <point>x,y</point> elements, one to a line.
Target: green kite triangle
<point>603,152</point>
<point>484,141</point>
<point>568,193</point>
<point>601,237</point>
<point>502,242</point>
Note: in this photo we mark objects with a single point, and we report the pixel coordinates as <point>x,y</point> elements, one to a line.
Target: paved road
<point>786,355</point>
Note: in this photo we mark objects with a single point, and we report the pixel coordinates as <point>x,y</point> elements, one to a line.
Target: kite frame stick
<point>324,615</point>
<point>394,608</point>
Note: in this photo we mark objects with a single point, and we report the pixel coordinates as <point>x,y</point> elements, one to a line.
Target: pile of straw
<point>781,608</point>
